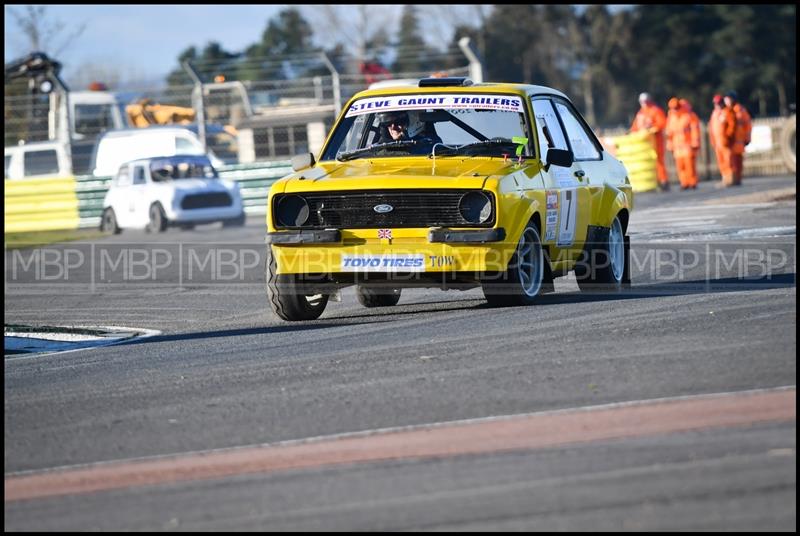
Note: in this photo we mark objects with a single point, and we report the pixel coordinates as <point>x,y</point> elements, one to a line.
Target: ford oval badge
<point>383,209</point>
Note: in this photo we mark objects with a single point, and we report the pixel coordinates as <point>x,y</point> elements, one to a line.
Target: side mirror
<point>303,161</point>
<point>558,157</point>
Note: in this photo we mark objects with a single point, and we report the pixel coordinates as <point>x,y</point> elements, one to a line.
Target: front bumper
<point>198,215</point>
<point>408,251</point>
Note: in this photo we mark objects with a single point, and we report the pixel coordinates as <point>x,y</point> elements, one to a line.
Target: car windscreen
<point>162,169</point>
<point>449,124</point>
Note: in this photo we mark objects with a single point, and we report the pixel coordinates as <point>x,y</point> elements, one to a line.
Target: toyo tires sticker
<point>383,263</point>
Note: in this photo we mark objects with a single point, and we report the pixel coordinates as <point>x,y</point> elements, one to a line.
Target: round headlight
<point>292,211</point>
<point>475,207</point>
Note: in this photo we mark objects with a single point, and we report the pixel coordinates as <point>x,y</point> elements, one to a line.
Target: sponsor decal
<point>383,263</point>
<point>442,260</point>
<point>385,233</point>
<point>505,103</point>
<point>552,198</point>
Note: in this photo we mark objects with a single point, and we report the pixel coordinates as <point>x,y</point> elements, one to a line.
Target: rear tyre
<point>286,298</point>
<point>374,297</point>
<point>521,282</point>
<point>603,266</point>
<point>108,223</point>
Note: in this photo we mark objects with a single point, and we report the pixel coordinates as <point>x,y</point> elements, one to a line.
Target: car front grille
<point>410,208</point>
<point>216,199</point>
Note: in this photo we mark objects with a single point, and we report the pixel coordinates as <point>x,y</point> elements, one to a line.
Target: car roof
<point>169,157</point>
<point>486,87</point>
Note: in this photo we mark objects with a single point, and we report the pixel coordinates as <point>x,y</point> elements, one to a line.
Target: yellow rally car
<point>450,185</point>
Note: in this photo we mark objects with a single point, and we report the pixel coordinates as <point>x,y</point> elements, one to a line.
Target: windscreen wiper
<point>492,142</point>
<point>398,144</point>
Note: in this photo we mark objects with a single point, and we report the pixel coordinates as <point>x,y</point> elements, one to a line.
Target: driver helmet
<point>408,119</point>
<point>397,117</point>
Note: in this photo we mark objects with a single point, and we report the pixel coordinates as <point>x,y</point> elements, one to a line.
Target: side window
<point>582,144</point>
<point>92,119</point>
<point>548,128</point>
<point>8,163</point>
<point>41,163</point>
<point>124,177</point>
<point>138,175</point>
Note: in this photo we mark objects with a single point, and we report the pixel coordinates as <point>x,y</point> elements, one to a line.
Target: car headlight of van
<point>291,211</point>
<point>475,207</point>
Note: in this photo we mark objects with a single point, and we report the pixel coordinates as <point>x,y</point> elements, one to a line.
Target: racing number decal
<point>567,219</point>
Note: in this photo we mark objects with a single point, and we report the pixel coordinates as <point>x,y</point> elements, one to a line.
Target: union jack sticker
<point>385,233</point>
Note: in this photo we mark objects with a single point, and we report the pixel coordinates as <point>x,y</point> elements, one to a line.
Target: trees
<point>42,32</point>
<point>287,33</point>
<point>603,57</point>
<point>212,61</point>
<point>413,54</point>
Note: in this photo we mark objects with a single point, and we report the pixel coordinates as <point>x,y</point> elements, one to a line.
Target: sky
<point>143,41</point>
<point>140,44</point>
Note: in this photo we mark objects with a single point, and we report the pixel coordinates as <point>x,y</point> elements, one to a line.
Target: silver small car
<point>181,190</point>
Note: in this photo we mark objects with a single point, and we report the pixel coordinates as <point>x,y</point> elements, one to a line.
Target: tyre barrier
<point>636,151</point>
<point>66,203</point>
<point>788,143</point>
<point>46,204</point>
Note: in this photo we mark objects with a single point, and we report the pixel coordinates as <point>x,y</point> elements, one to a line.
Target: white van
<point>116,147</point>
<point>37,160</point>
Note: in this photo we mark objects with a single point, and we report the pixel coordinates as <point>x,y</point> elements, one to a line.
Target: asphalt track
<point>711,319</point>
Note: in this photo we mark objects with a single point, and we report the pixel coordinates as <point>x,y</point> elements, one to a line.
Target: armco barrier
<point>47,204</point>
<point>254,181</point>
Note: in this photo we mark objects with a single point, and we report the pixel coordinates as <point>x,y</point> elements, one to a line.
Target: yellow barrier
<point>48,204</point>
<point>637,153</point>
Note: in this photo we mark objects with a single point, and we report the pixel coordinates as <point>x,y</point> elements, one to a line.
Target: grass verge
<point>44,238</point>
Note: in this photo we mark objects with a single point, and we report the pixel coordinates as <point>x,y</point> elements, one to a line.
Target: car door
<point>586,149</point>
<point>567,195</point>
<point>139,195</point>
<point>119,197</point>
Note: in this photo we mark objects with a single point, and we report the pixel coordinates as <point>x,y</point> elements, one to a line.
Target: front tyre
<point>285,298</point>
<point>377,297</point>
<point>521,282</point>
<point>605,262</point>
<point>158,220</point>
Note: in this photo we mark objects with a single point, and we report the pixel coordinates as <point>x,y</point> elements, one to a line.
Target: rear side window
<point>124,177</point>
<point>41,163</point>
